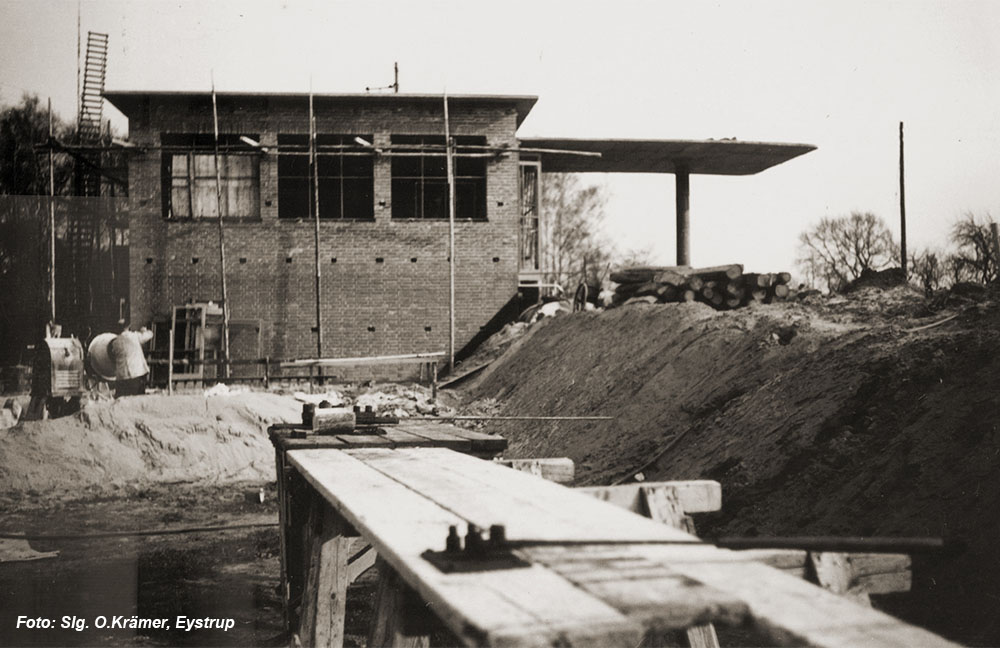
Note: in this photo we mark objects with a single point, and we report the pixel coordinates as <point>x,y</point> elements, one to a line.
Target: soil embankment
<point>835,417</point>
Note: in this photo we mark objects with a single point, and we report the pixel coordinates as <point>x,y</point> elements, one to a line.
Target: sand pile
<point>143,439</point>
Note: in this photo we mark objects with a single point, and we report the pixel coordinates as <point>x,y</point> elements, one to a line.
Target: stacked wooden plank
<point>722,287</point>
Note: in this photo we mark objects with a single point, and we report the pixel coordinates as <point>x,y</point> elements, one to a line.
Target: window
<point>346,177</point>
<point>420,182</point>
<point>189,182</point>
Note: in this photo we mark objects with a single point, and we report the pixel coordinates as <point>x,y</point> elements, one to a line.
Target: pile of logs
<point>722,287</point>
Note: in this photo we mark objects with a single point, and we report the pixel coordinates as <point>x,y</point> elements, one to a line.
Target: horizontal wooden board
<point>695,496</point>
<point>557,469</point>
<point>403,434</point>
<point>529,606</point>
<point>486,493</point>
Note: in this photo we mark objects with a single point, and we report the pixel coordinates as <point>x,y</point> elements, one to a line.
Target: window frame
<point>195,146</point>
<point>334,179</point>
<point>414,172</point>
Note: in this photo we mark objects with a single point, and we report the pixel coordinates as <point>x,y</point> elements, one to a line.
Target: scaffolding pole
<point>315,188</point>
<point>222,238</point>
<point>449,150</point>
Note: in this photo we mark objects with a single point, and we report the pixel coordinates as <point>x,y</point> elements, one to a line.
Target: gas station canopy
<point>714,157</point>
<point>679,157</point>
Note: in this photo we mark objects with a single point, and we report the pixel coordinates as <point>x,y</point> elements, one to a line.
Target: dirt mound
<point>869,278</point>
<point>848,416</point>
<point>144,439</point>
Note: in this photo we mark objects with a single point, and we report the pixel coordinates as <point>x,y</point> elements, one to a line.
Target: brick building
<point>383,207</point>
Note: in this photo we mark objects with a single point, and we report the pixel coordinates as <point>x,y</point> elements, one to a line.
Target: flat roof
<point>713,157</point>
<point>128,101</point>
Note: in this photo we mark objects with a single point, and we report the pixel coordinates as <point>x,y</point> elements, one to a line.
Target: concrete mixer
<point>57,378</point>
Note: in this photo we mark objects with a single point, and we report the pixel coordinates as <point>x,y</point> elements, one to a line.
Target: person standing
<point>131,369</point>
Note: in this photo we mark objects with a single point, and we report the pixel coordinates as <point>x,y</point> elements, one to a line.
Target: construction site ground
<point>870,414</point>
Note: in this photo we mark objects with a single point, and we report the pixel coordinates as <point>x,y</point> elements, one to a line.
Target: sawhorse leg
<point>663,506</point>
<point>325,595</point>
<point>400,616</point>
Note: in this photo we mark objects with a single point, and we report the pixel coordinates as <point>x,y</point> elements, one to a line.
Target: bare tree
<point>837,250</point>
<point>928,269</point>
<point>575,214</point>
<point>976,258</point>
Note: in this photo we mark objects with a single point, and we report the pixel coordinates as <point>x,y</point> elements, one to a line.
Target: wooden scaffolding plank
<point>518,606</point>
<point>696,496</point>
<point>792,611</point>
<point>529,507</point>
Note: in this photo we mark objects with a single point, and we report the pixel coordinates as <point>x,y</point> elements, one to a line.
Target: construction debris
<point>721,287</point>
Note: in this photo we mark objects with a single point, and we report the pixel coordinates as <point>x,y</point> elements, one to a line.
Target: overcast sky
<point>840,75</point>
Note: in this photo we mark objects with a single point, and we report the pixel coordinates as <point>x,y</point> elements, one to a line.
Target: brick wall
<point>398,305</point>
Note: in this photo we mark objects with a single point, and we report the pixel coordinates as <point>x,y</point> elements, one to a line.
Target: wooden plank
<point>645,589</point>
<point>463,375</point>
<point>556,469</point>
<point>360,562</point>
<point>414,434</point>
<point>283,504</point>
<point>481,442</point>
<point>403,438</point>
<point>791,611</point>
<point>784,607</point>
<point>858,574</point>
<point>394,608</point>
<point>438,434</point>
<point>529,507</point>
<point>506,607</point>
<point>696,496</point>
<point>872,564</point>
<point>365,441</point>
<point>325,595</point>
<point>663,505</point>
<point>703,636</point>
<point>409,358</point>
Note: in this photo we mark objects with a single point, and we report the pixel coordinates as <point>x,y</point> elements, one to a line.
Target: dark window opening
<point>190,186</point>
<point>420,177</point>
<point>346,177</point>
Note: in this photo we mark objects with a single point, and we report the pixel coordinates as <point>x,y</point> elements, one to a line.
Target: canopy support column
<point>683,183</point>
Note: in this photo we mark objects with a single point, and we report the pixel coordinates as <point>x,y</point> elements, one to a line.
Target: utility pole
<point>222,239</point>
<point>902,207</point>
<point>52,224</point>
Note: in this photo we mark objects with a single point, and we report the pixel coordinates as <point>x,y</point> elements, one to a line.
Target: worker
<point>131,370</point>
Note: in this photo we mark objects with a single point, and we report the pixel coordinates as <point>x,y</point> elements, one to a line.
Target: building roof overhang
<point>713,157</point>
<point>131,101</point>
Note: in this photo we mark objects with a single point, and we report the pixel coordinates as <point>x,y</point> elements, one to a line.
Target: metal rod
<point>222,239</point>
<point>472,150</point>
<point>451,237</point>
<point>507,418</point>
<point>315,177</point>
<point>807,543</point>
